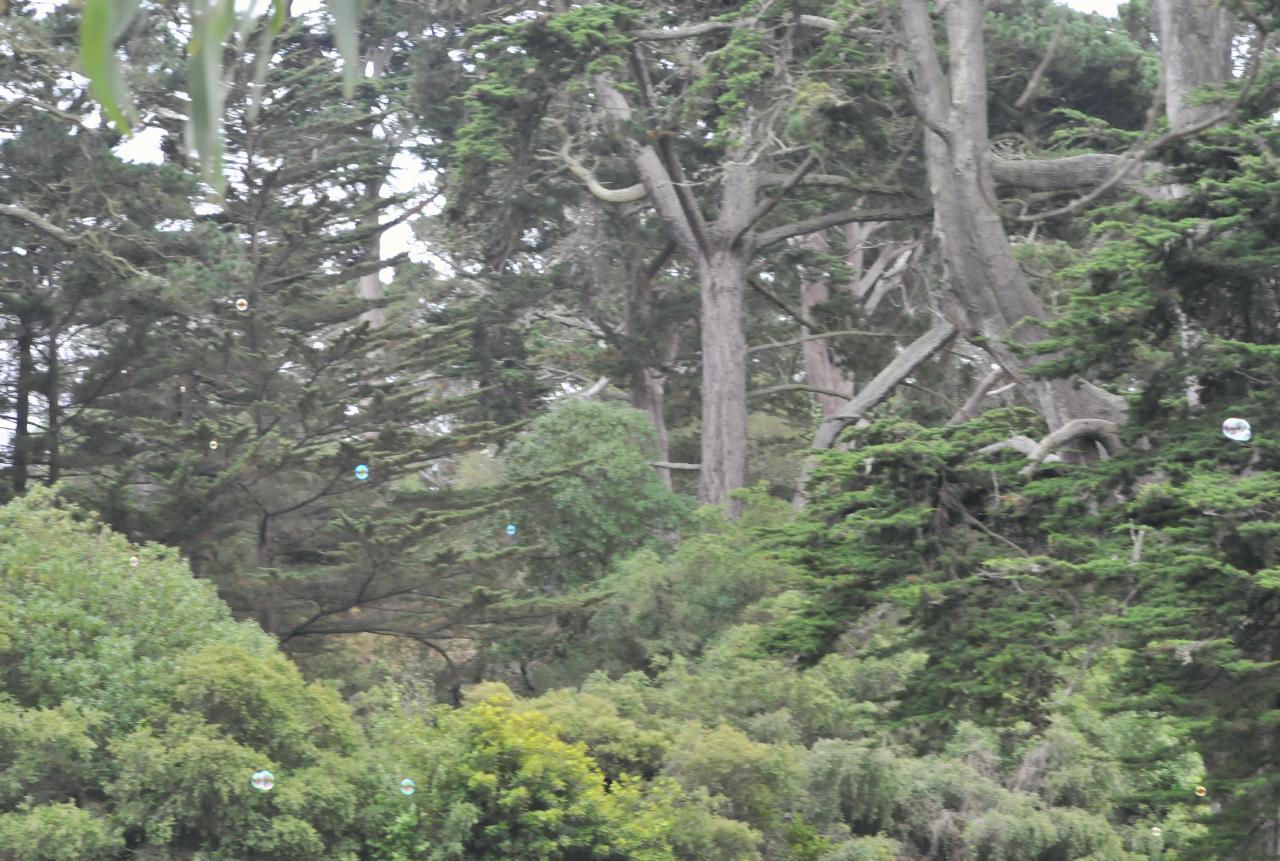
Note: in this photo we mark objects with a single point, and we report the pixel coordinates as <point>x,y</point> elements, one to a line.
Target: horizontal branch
<point>1065,174</point>
<point>630,194</point>
<point>775,345</point>
<point>666,464</point>
<point>797,387</point>
<point>835,219</point>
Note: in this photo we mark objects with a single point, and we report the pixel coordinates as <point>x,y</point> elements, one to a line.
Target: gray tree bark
<point>991,296</point>
<point>820,368</point>
<point>1195,51</point>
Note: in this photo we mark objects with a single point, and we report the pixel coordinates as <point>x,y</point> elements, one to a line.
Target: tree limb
<point>1041,68</point>
<point>630,194</point>
<point>834,219</point>
<point>970,407</point>
<point>21,213</point>
<point>884,382</point>
<point>797,387</point>
<point>1101,430</point>
<point>774,345</point>
<point>666,464</point>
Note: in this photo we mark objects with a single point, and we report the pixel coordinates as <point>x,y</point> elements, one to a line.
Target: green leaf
<point>346,29</point>
<point>101,24</point>
<point>212,24</point>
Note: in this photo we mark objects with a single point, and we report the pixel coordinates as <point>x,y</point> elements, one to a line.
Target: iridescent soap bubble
<point>1155,830</point>
<point>213,445</point>
<point>1201,791</point>
<point>133,561</point>
<point>1237,429</point>
<point>263,780</point>
<point>511,529</point>
<point>408,787</point>
<point>362,472</point>
<point>242,304</point>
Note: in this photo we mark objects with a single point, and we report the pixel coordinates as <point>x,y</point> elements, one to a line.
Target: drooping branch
<point>21,213</point>
<point>834,219</point>
<point>1099,430</point>
<point>630,194</point>
<point>884,383</point>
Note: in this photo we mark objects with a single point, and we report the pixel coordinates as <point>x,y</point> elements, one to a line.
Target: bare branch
<point>830,180</point>
<point>630,194</point>
<point>884,383</point>
<point>595,388</point>
<point>787,185</point>
<point>1041,68</point>
<point>797,387</point>
<point>834,219</point>
<point>1101,430</point>
<point>1024,445</point>
<point>21,213</point>
<point>666,464</point>
<point>774,345</point>
<point>674,34</point>
<point>969,408</point>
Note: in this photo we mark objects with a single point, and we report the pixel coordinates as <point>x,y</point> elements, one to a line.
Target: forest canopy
<point>622,431</point>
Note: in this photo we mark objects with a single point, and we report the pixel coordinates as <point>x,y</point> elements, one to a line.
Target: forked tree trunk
<point>991,295</point>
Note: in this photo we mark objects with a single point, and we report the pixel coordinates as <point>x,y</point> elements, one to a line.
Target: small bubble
<point>1201,791</point>
<point>511,529</point>
<point>1155,830</point>
<point>408,787</point>
<point>1237,430</point>
<point>242,304</point>
<point>213,444</point>
<point>182,389</point>
<point>362,472</point>
<point>133,561</point>
<point>263,780</point>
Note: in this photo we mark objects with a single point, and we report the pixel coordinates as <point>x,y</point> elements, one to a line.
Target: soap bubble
<point>182,389</point>
<point>213,445</point>
<point>511,529</point>
<point>1237,429</point>
<point>362,472</point>
<point>242,304</point>
<point>408,787</point>
<point>1155,830</point>
<point>1201,791</point>
<point>133,561</point>
<point>263,780</point>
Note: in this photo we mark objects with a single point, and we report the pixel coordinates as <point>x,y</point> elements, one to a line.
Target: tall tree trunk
<point>722,278</point>
<point>991,296</point>
<point>22,406</point>
<point>1195,51</point>
<point>820,368</point>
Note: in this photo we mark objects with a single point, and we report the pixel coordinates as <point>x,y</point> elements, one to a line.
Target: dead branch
<point>21,213</point>
<point>970,407</point>
<point>834,219</point>
<point>1100,430</point>
<point>884,383</point>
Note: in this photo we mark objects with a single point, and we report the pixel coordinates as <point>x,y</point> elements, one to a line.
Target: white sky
<point>408,175</point>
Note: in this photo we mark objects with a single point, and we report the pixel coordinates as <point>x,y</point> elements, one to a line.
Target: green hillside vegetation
<point>631,431</point>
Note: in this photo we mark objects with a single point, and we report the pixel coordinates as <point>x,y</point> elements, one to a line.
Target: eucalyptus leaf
<point>346,27</point>
<point>100,25</point>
